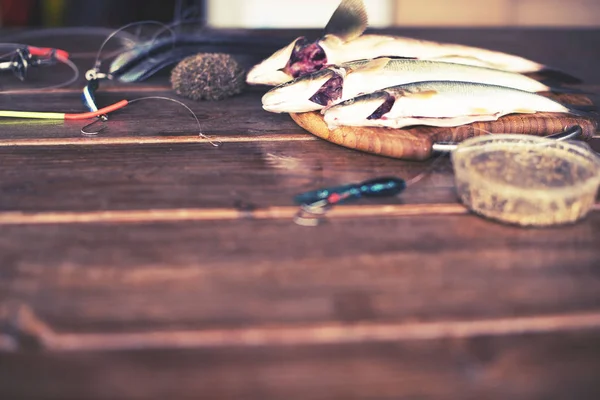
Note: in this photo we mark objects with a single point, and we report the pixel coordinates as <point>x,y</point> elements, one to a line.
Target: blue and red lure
<point>314,204</point>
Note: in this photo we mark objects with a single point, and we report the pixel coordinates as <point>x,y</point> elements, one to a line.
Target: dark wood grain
<point>486,367</point>
<point>156,276</point>
<point>84,178</point>
<point>144,263</point>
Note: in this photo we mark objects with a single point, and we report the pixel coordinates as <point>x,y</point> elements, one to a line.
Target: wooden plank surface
<point>491,368</point>
<point>103,278</point>
<point>144,263</point>
<point>197,175</point>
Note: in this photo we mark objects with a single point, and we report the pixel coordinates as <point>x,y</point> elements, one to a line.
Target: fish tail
<point>565,89</point>
<point>583,111</point>
<point>556,75</point>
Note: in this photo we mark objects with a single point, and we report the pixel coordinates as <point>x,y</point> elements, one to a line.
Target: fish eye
<point>349,102</point>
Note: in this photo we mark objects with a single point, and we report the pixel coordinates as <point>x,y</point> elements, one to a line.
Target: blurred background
<point>302,14</point>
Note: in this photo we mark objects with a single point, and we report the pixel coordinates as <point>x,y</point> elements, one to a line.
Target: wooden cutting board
<point>415,143</point>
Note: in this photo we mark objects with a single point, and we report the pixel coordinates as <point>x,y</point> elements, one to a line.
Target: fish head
<point>306,93</point>
<point>302,56</point>
<point>270,71</point>
<point>359,110</point>
<point>299,58</point>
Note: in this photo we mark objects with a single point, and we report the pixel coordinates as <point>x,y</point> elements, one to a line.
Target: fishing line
<point>60,55</point>
<point>216,143</point>
<point>98,62</point>
<point>181,16</point>
<point>178,24</point>
<point>93,76</point>
<point>13,46</point>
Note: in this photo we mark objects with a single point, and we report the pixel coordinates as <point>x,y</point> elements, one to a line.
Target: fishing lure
<point>95,74</point>
<point>314,204</point>
<point>146,59</point>
<point>88,98</point>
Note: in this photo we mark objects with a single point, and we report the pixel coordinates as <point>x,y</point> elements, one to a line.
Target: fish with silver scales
<point>335,84</point>
<point>343,41</point>
<point>439,103</point>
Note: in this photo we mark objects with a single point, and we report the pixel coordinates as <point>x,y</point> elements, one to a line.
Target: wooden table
<point>145,263</point>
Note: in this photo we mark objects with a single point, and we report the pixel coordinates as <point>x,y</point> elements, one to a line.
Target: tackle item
<point>208,76</point>
<point>65,116</point>
<point>95,72</point>
<point>525,180</point>
<point>147,59</point>
<point>343,41</point>
<point>25,57</point>
<point>89,101</point>
<point>101,114</point>
<point>21,58</point>
<point>215,143</point>
<point>314,204</point>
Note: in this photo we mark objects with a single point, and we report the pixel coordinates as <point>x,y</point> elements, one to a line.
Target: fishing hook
<point>101,119</point>
<point>312,214</point>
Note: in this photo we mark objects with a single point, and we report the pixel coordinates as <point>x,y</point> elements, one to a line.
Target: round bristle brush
<point>208,76</point>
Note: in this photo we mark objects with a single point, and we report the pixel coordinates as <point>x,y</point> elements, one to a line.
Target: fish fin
<point>583,111</point>
<point>583,107</point>
<point>556,88</point>
<point>349,20</point>
<point>557,76</point>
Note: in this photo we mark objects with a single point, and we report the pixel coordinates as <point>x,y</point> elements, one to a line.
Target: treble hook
<point>101,119</point>
<point>312,214</point>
